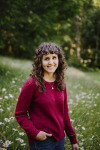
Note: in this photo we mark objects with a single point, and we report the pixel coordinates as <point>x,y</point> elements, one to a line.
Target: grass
<point>83,100</point>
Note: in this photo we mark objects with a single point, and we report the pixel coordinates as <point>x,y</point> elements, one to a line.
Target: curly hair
<point>38,72</point>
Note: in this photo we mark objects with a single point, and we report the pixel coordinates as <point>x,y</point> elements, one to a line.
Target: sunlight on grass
<point>83,100</point>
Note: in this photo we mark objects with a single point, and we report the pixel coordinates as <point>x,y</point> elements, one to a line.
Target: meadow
<point>83,99</point>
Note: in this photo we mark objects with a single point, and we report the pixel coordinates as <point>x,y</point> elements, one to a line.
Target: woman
<point>44,96</point>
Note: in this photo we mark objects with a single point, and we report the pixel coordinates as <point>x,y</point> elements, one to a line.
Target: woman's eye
<point>54,57</point>
<point>46,58</point>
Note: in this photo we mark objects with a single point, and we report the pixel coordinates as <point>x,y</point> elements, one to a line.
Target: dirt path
<point>74,71</point>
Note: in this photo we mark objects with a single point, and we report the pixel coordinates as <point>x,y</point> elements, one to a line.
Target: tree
<point>91,37</point>
<point>72,44</point>
<point>25,24</point>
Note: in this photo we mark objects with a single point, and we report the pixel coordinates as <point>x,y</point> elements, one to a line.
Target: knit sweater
<point>48,112</point>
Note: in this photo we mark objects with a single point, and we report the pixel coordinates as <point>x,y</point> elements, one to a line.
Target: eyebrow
<point>48,56</point>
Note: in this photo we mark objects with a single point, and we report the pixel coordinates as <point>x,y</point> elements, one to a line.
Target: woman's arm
<point>22,107</point>
<point>68,127</point>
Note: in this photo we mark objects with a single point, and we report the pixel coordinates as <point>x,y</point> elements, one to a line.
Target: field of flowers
<point>83,100</point>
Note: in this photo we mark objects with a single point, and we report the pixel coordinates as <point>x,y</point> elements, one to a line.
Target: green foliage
<point>25,24</point>
<point>83,32</point>
<point>90,37</point>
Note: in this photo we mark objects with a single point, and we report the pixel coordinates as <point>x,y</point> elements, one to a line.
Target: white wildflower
<point>23,144</point>
<point>21,133</point>
<point>13,81</point>
<point>70,111</point>
<point>86,104</point>
<point>3,89</point>
<point>76,128</point>
<point>71,120</point>
<point>1,123</point>
<point>7,120</point>
<point>97,94</point>
<point>80,143</point>
<point>3,149</point>
<point>20,89</point>
<point>5,145</point>
<point>81,148</point>
<point>83,93</point>
<point>18,139</point>
<point>83,128</point>
<point>88,97</point>
<point>89,102</point>
<point>75,87</point>
<point>8,142</point>
<point>12,118</point>
<point>21,140</point>
<point>77,134</point>
<point>10,95</point>
<point>82,97</point>
<point>6,97</point>
<point>14,129</point>
<point>1,109</point>
<point>31,12</point>
<point>81,135</point>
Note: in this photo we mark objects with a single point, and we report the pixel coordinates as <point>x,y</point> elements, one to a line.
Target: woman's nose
<point>50,61</point>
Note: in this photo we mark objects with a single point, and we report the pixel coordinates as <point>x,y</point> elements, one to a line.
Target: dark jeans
<point>48,144</point>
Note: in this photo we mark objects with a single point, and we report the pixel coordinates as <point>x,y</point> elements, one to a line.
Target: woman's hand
<point>74,147</point>
<point>42,136</point>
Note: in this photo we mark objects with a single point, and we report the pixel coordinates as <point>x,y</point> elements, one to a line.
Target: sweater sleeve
<point>22,107</point>
<point>68,127</point>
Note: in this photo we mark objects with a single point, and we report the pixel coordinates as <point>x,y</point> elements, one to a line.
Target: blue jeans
<point>48,144</point>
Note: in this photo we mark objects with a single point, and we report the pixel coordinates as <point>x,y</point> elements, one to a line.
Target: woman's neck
<point>49,77</point>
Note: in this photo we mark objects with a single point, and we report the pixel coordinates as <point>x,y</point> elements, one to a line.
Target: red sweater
<point>47,112</point>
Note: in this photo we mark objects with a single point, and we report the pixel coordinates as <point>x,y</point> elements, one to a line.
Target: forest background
<point>74,25</point>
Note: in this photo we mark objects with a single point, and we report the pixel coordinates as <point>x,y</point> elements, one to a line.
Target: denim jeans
<point>48,144</point>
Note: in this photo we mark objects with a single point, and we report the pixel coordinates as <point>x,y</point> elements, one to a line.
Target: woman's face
<point>50,63</point>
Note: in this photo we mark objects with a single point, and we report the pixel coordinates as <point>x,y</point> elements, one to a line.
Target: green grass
<point>83,99</point>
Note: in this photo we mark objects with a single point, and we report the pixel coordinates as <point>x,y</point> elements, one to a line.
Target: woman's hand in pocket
<point>42,136</point>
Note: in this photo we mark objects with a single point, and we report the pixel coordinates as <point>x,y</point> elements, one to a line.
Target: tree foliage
<point>25,24</point>
<point>90,37</point>
<point>81,40</point>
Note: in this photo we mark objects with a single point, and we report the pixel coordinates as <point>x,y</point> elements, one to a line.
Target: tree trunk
<point>78,38</point>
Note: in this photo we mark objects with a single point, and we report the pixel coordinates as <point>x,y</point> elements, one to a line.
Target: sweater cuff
<point>33,133</point>
<point>73,139</point>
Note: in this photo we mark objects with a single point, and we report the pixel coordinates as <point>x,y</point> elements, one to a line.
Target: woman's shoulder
<point>30,82</point>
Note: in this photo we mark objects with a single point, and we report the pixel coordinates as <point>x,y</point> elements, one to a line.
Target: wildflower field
<point>83,100</point>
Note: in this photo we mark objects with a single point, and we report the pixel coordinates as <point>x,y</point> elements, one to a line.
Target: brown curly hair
<point>38,72</point>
